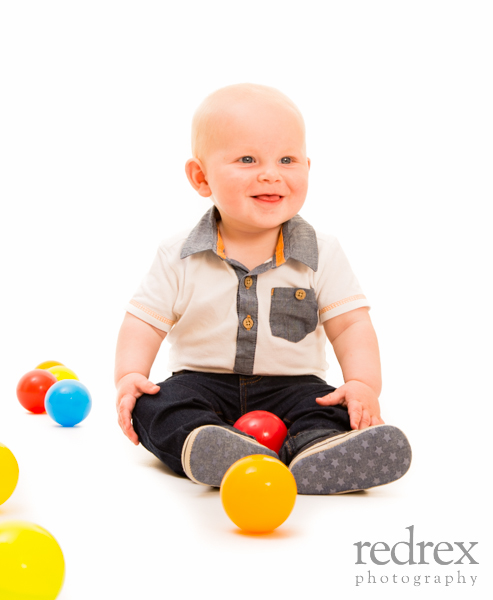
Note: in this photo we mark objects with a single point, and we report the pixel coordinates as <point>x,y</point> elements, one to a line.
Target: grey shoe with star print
<point>356,460</point>
<point>210,450</point>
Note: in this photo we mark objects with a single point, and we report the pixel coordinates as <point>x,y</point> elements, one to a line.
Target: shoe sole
<point>353,461</point>
<point>210,450</point>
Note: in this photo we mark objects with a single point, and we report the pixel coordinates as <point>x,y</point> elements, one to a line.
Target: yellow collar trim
<point>280,250</point>
<point>220,244</point>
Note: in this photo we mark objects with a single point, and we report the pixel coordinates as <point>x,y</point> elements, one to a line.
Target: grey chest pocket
<point>293,313</point>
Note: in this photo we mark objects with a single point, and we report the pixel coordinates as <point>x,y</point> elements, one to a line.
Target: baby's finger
<point>125,422</point>
<point>147,387</point>
<point>124,416</point>
<point>365,419</point>
<point>336,397</point>
<point>125,408</point>
<point>355,410</point>
<point>375,420</point>
<point>132,436</point>
<point>126,401</point>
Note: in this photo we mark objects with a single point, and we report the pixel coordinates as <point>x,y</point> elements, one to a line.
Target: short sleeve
<point>155,298</point>
<point>338,290</point>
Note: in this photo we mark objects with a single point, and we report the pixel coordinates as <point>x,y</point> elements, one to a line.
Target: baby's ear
<point>197,178</point>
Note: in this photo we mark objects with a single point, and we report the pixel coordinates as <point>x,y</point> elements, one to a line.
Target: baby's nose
<point>269,174</point>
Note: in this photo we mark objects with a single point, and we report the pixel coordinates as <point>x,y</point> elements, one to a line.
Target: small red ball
<point>267,428</point>
<point>32,388</point>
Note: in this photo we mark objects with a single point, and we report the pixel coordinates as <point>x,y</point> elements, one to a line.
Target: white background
<point>95,109</point>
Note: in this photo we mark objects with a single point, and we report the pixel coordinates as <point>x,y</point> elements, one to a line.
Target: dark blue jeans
<point>189,399</point>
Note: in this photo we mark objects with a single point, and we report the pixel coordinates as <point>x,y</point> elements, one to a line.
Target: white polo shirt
<point>222,318</point>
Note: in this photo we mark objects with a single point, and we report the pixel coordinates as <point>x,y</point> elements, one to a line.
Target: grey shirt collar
<point>300,239</point>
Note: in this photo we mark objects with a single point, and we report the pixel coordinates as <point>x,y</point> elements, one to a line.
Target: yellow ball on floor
<point>258,493</point>
<point>48,363</point>
<point>62,372</point>
<point>32,563</point>
<point>9,473</point>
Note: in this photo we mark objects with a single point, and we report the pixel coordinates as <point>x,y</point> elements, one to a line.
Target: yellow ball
<point>48,363</point>
<point>258,493</point>
<point>62,372</point>
<point>9,473</point>
<point>32,563</point>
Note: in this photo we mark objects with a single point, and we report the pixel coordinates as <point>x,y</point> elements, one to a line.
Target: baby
<point>247,299</point>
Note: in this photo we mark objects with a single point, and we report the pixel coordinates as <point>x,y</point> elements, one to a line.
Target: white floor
<point>95,112</point>
<point>129,528</point>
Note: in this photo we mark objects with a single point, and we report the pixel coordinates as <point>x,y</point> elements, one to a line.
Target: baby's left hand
<point>361,402</point>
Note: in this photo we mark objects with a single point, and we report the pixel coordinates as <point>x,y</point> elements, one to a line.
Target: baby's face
<point>256,167</point>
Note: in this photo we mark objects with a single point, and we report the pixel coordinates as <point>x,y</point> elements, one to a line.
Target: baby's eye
<point>286,160</point>
<point>246,159</point>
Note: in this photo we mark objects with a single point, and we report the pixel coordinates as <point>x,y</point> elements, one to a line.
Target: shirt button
<point>248,282</point>
<point>300,294</point>
<point>248,322</point>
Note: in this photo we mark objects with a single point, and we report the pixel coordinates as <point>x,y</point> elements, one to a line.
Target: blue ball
<point>68,402</point>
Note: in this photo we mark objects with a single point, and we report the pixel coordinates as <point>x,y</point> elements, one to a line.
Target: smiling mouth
<point>268,197</point>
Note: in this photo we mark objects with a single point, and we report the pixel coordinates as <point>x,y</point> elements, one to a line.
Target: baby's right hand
<point>129,388</point>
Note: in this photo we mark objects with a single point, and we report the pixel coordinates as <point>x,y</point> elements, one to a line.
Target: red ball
<point>32,388</point>
<point>267,428</point>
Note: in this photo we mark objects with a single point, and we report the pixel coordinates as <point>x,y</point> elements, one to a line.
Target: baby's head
<point>249,154</point>
<point>222,106</point>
